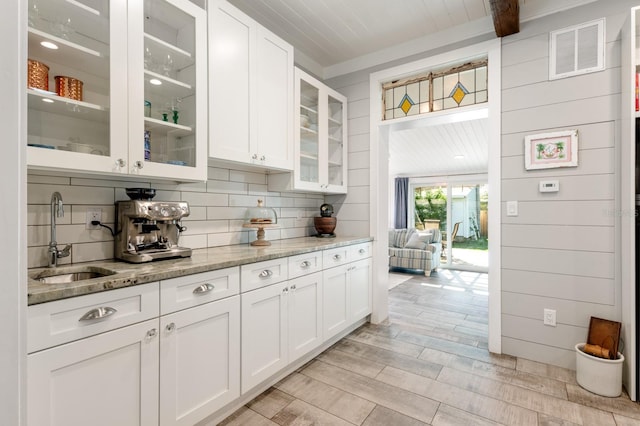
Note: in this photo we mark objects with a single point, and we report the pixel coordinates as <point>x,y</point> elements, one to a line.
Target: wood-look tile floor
<point>429,365</point>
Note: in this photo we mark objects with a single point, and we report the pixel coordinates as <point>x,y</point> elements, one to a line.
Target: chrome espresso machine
<point>149,230</point>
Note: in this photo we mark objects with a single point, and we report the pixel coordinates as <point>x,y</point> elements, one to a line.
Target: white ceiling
<point>432,150</point>
<point>335,37</point>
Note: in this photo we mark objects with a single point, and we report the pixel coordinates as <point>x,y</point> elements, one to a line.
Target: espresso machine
<point>149,230</point>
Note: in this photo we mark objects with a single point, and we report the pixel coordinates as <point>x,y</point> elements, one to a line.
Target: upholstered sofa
<point>415,250</point>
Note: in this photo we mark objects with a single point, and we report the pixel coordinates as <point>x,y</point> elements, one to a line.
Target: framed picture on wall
<point>551,150</point>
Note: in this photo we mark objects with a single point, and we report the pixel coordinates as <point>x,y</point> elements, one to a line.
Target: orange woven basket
<point>37,75</point>
<point>68,87</point>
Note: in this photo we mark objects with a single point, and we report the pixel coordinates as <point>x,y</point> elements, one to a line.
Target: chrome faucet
<point>57,210</point>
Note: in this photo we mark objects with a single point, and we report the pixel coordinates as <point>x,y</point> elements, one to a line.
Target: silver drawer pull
<point>151,334</point>
<point>362,251</point>
<point>98,313</point>
<point>204,288</point>
<point>306,264</point>
<point>170,327</point>
<point>337,257</point>
<point>266,273</point>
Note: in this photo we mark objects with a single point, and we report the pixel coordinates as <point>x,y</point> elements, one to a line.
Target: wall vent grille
<point>576,50</point>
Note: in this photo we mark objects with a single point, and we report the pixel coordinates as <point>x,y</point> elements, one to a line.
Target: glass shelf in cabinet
<point>304,108</point>
<point>41,100</point>
<point>308,131</point>
<point>167,127</point>
<point>169,87</point>
<point>71,20</point>
<point>159,49</point>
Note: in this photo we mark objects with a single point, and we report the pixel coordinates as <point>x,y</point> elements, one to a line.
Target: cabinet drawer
<point>192,290</point>
<point>54,323</point>
<point>305,264</point>
<point>359,251</point>
<point>261,274</point>
<point>335,257</point>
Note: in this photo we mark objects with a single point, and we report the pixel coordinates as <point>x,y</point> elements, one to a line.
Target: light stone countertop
<point>201,260</point>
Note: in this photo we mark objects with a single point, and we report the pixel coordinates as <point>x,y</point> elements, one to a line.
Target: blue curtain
<point>401,199</point>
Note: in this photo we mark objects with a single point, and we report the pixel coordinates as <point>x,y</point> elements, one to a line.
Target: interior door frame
<point>379,174</point>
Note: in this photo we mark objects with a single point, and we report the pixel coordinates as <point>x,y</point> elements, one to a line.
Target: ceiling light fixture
<point>155,82</point>
<point>48,45</point>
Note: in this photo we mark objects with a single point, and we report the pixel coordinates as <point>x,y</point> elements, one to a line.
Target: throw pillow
<point>416,242</point>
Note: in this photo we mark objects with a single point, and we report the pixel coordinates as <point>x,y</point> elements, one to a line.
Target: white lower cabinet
<point>264,333</point>
<point>107,379</point>
<point>280,323</point>
<point>178,351</point>
<point>304,301</point>
<point>346,295</point>
<point>199,361</point>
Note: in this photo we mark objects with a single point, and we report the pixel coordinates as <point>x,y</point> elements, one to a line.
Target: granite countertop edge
<point>201,260</point>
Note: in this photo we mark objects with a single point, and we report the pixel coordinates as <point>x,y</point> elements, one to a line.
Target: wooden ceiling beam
<point>506,16</point>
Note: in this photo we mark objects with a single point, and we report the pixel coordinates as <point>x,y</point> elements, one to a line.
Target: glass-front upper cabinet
<point>76,84</point>
<point>112,87</point>
<point>309,137</point>
<point>321,139</point>
<point>336,115</point>
<point>167,61</point>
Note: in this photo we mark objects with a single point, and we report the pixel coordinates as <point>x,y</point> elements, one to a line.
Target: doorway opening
<point>380,182</point>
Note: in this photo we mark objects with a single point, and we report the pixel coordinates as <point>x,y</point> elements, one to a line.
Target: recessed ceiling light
<point>155,82</point>
<point>458,157</point>
<point>48,45</point>
<point>47,100</point>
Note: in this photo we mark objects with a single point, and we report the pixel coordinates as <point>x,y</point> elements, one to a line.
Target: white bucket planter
<point>598,375</point>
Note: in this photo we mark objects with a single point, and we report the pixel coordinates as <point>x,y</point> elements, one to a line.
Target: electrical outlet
<point>93,215</point>
<point>550,317</point>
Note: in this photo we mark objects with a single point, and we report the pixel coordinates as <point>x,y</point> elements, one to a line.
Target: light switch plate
<point>512,208</point>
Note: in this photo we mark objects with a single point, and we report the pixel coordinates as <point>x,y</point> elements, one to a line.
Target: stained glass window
<point>435,91</point>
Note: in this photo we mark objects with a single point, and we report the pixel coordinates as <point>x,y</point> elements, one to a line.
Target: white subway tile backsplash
<point>216,173</point>
<point>225,187</point>
<point>205,199</point>
<point>248,177</point>
<point>86,252</point>
<point>218,207</point>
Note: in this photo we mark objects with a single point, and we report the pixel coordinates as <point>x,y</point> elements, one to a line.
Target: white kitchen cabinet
<point>320,140</point>
<point>335,300</point>
<point>251,91</point>
<point>264,333</point>
<point>107,379</point>
<point>347,290</point>
<point>280,323</point>
<point>118,50</point>
<point>360,302</point>
<point>304,305</point>
<point>199,361</point>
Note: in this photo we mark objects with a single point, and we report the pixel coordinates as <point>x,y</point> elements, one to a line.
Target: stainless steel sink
<point>71,274</point>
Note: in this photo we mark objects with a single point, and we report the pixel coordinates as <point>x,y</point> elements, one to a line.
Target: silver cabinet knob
<point>293,287</point>
<point>170,327</point>
<point>152,333</point>
<point>362,251</point>
<point>120,163</point>
<point>254,157</point>
<point>262,158</point>
<point>138,165</point>
<point>337,257</point>
<point>306,264</point>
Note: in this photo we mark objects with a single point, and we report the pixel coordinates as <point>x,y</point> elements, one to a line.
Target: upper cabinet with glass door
<point>320,140</point>
<point>168,93</point>
<point>76,85</point>
<point>89,91</point>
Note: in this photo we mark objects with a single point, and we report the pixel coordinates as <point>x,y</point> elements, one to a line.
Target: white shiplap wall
<point>217,211</point>
<point>560,252</point>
